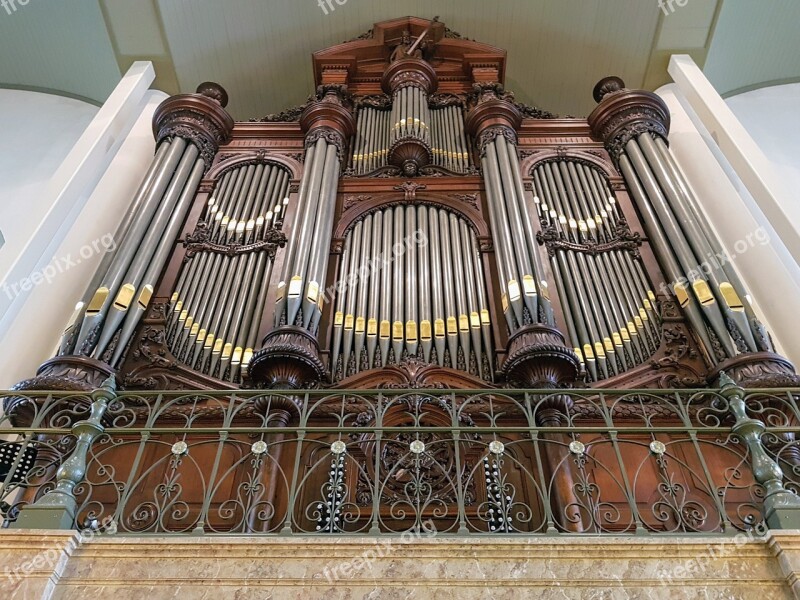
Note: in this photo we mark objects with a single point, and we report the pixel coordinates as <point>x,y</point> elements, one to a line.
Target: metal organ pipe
<point>361,289</point>
<point>577,272</point>
<point>425,325</point>
<point>350,289</point>
<point>462,306</point>
<point>281,299</point>
<point>388,291</point>
<point>131,277</point>
<point>310,207</point>
<point>614,272</point>
<point>341,306</point>
<point>122,287</point>
<point>662,249</point>
<point>437,293</point>
<point>412,283</point>
<point>398,314</point>
<point>502,253</point>
<point>761,336</point>
<point>712,297</point>
<point>483,305</point>
<point>312,301</point>
<point>158,260</point>
<point>574,307</point>
<point>634,287</point>
<point>728,298</point>
<point>68,338</point>
<point>221,298</point>
<point>371,143</point>
<point>187,323</point>
<point>413,299</point>
<point>513,261</point>
<point>107,291</point>
<point>451,320</point>
<point>605,295</point>
<point>689,264</point>
<point>589,273</point>
<point>374,289</point>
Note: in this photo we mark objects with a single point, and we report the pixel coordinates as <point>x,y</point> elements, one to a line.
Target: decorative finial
<point>606,86</point>
<point>214,91</point>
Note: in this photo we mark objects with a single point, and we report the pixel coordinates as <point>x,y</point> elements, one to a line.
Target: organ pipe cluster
<point>414,288</point>
<point>634,126</point>
<point>607,300</point>
<point>448,139</point>
<point>123,286</point>
<point>411,115</point>
<point>708,290</point>
<point>379,128</point>
<point>218,301</point>
<point>525,296</point>
<point>300,298</point>
<point>371,142</point>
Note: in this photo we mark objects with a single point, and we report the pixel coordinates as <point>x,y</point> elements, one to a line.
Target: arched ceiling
<point>260,49</point>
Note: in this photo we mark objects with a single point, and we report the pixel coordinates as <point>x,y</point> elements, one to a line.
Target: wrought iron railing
<point>471,462</point>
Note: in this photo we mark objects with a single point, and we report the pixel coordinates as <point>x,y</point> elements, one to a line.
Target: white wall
<point>771,116</point>
<point>37,131</point>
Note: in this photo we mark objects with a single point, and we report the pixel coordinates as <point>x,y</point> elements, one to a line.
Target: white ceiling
<point>260,50</point>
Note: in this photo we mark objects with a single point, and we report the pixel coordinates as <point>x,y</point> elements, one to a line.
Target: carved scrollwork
<point>439,171</point>
<point>152,347</point>
<point>206,144</point>
<point>199,118</point>
<point>534,112</point>
<point>624,239</point>
<point>410,189</point>
<point>624,114</point>
<point>490,134</point>
<point>285,116</point>
<point>471,199</point>
<point>376,101</point>
<point>330,135</point>
<point>272,239</point>
<point>443,100</point>
<point>351,201</point>
<point>676,345</point>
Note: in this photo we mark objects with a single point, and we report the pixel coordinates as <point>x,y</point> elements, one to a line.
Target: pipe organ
<point>413,224</point>
<point>413,228</point>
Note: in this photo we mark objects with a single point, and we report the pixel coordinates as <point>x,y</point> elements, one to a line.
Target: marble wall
<point>56,565</point>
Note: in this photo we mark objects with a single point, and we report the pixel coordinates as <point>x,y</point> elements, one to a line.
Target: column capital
<point>624,114</point>
<point>410,72</point>
<point>200,117</point>
<point>493,112</point>
<point>330,116</point>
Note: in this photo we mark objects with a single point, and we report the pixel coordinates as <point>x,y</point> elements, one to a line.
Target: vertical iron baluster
<point>301,434</point>
<point>376,491</point>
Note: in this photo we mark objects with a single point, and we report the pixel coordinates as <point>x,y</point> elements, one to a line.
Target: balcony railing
<point>466,462</point>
